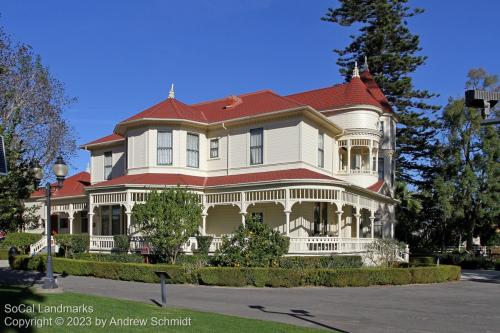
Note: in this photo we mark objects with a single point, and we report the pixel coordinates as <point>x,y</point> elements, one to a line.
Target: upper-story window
<point>381,128</point>
<point>108,164</point>
<point>321,150</point>
<point>256,146</point>
<point>193,150</point>
<point>393,135</point>
<point>164,148</point>
<point>214,148</point>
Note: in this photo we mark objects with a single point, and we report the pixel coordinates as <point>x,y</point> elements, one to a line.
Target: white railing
<point>319,245</point>
<point>38,246</point>
<point>101,243</point>
<point>42,244</point>
<point>298,245</point>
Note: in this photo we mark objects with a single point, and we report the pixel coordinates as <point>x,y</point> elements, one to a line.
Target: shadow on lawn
<point>299,314</point>
<point>11,297</point>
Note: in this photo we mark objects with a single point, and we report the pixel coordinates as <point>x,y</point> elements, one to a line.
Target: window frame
<point>261,146</point>
<point>321,150</point>
<point>189,150</point>
<point>169,150</point>
<point>211,149</point>
<point>106,155</point>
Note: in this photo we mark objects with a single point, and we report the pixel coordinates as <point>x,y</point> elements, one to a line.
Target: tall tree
<point>32,102</point>
<point>469,181</point>
<point>393,52</point>
<point>168,219</point>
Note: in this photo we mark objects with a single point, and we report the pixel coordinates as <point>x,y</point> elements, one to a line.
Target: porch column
<point>348,155</point>
<point>392,230</point>
<point>357,217</point>
<point>70,221</point>
<point>339,214</point>
<point>243,216</point>
<point>129,222</point>
<point>204,224</point>
<point>287,221</point>
<point>372,219</point>
<point>91,223</point>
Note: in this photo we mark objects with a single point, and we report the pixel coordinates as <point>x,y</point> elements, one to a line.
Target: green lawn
<point>107,308</point>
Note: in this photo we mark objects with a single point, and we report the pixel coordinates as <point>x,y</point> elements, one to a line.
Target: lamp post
<point>60,170</point>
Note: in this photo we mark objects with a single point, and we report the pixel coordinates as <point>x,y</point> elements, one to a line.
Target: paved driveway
<point>470,305</point>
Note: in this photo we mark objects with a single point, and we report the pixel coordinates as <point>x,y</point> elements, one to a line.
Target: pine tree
<point>393,53</point>
<point>470,165</point>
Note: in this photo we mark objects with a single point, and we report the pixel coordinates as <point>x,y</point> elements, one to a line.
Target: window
<point>105,220</point>
<point>393,135</point>
<point>380,168</point>
<point>108,164</point>
<point>321,150</point>
<point>84,222</point>
<point>193,150</point>
<point>164,148</point>
<point>256,146</point>
<point>258,217</point>
<point>214,148</point>
<point>115,220</point>
<point>382,128</point>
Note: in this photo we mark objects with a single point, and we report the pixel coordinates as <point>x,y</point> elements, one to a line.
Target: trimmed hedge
<point>252,276</point>
<point>321,262</point>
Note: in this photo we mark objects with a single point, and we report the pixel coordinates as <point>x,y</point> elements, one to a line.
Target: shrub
<point>494,240</point>
<point>467,261</point>
<point>204,243</point>
<point>383,252</point>
<point>254,276</point>
<point>122,243</point>
<point>334,261</point>
<point>194,261</point>
<point>21,240</point>
<point>77,243</point>
<point>497,265</point>
<point>254,245</point>
<point>80,243</point>
<point>422,261</point>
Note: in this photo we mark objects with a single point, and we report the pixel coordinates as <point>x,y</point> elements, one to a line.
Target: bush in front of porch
<point>72,244</point>
<point>20,240</point>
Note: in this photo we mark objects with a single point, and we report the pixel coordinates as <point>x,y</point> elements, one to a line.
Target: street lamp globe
<point>37,171</point>
<point>60,170</point>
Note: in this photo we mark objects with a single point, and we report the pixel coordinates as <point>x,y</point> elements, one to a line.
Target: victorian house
<point>317,166</point>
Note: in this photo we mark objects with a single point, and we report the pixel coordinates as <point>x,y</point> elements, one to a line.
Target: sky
<point>120,57</point>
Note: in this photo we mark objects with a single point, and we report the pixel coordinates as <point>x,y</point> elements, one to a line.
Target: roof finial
<point>171,92</point>
<point>355,72</point>
<point>365,67</point>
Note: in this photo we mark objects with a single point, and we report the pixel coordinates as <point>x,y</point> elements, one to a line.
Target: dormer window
<point>108,164</point>
<point>164,148</point>
<point>193,150</point>
<point>256,146</point>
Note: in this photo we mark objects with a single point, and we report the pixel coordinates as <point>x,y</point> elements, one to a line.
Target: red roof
<point>375,91</point>
<point>376,186</point>
<point>107,138</point>
<point>363,90</point>
<point>354,92</point>
<point>179,179</point>
<point>73,186</point>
